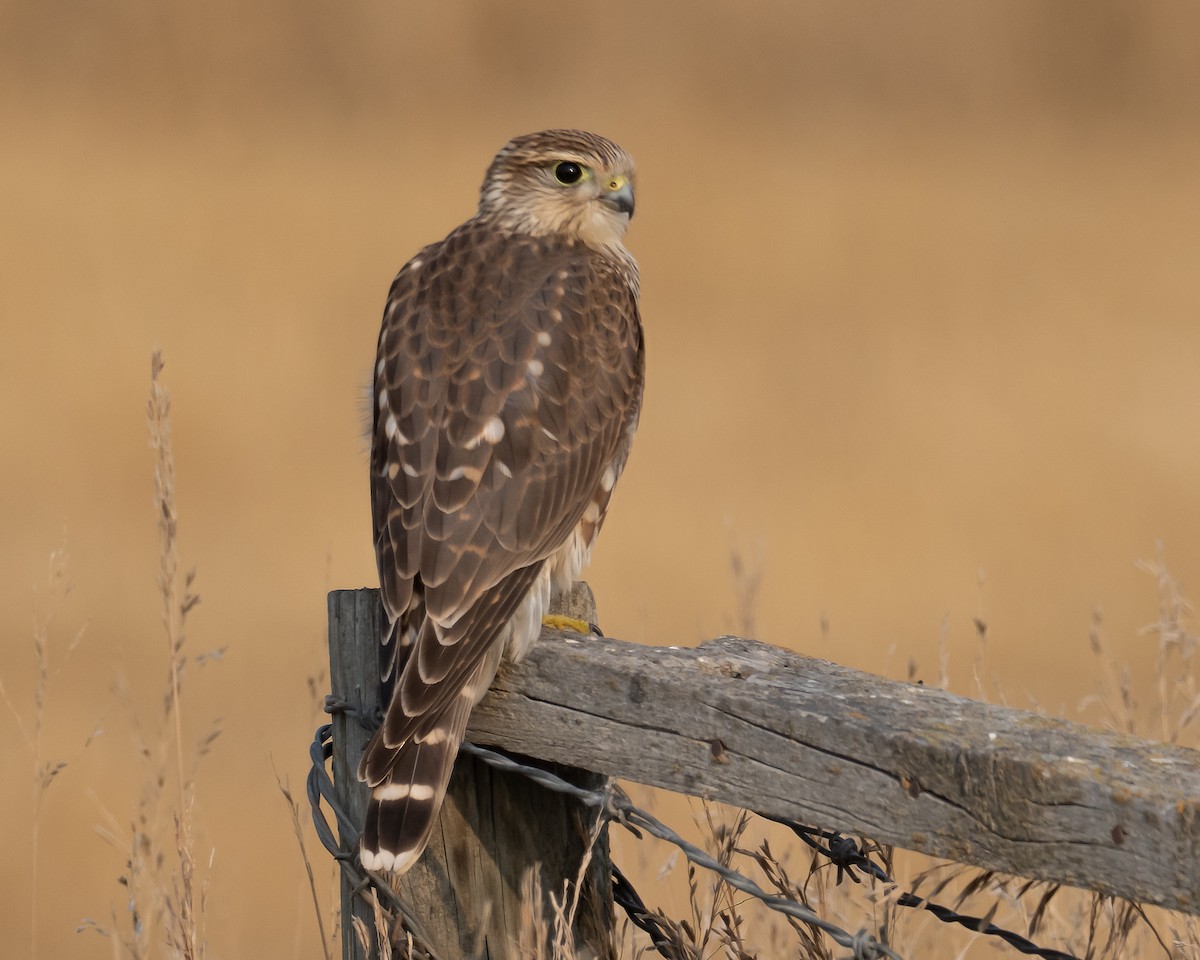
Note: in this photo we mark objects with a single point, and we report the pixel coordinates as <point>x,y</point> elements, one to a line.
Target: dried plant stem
<point>298,831</point>
<point>44,771</point>
<point>41,781</point>
<point>177,600</point>
<point>159,412</point>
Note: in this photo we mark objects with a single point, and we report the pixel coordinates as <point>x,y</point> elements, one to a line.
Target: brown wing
<point>509,371</point>
<point>510,368</point>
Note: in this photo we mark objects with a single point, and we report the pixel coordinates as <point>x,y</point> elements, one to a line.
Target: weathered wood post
<point>494,827</point>
<point>354,617</point>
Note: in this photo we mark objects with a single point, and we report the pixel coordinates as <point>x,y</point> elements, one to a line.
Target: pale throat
<point>603,230</point>
<point>593,223</point>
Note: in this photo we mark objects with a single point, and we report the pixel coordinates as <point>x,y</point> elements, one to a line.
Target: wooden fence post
<point>494,828</point>
<point>354,619</point>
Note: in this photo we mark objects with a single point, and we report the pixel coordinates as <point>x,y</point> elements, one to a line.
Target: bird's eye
<point>567,172</point>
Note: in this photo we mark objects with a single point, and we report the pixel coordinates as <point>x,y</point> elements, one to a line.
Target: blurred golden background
<point>921,291</point>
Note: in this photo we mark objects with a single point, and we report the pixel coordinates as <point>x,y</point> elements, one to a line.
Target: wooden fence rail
<point>790,736</point>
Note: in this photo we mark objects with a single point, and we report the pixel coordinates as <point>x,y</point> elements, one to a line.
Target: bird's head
<point>561,182</point>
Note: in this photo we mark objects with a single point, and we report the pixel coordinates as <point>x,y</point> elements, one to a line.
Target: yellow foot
<point>559,622</point>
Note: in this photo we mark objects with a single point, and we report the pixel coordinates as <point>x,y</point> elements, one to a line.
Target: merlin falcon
<point>506,394</point>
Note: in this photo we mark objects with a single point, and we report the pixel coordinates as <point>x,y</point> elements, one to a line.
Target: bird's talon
<point>557,621</point>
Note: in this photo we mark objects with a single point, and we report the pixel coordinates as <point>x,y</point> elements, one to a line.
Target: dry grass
<point>721,922</point>
<point>165,873</point>
<point>552,938</point>
<point>185,911</point>
<point>32,728</point>
<point>164,878</point>
<point>327,945</point>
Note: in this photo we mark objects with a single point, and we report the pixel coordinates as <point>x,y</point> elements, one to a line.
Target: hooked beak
<point>618,195</point>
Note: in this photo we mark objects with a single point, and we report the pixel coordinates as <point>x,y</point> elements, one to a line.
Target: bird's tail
<point>404,804</point>
<point>408,780</point>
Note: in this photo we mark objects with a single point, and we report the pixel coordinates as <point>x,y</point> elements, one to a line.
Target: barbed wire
<point>319,786</point>
<point>616,806</point>
<point>627,898</point>
<point>844,853</point>
<point>612,803</point>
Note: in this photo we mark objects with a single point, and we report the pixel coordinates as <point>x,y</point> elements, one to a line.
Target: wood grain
<point>790,736</point>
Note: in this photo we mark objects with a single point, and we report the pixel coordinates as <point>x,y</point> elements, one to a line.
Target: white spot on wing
<point>608,478</point>
<point>471,473</point>
<point>543,338</point>
<point>535,367</point>
<point>383,397</point>
<point>493,430</point>
<point>390,426</point>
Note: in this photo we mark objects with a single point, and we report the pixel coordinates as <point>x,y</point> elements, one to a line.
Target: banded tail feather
<point>408,781</point>
<point>408,793</point>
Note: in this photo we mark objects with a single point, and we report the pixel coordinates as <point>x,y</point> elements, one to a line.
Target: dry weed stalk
<point>1114,924</point>
<point>1178,696</point>
<point>166,889</point>
<point>315,684</point>
<point>553,938</point>
<point>298,832</point>
<point>45,772</point>
<point>185,906</point>
<point>812,894</point>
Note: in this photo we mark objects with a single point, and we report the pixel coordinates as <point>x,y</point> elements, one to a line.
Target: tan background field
<point>922,298</point>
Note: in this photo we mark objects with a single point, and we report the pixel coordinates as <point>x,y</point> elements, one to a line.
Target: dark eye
<point>568,172</point>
